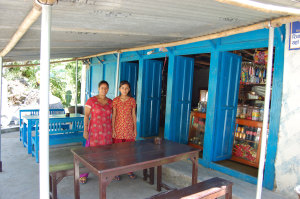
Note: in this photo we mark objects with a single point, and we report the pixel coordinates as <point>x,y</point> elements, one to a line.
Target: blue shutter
<point>129,72</point>
<point>109,75</point>
<point>150,100</point>
<point>182,97</point>
<point>227,99</point>
<point>96,75</point>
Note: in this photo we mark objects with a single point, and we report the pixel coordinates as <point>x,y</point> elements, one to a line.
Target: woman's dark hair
<point>103,82</point>
<point>123,83</point>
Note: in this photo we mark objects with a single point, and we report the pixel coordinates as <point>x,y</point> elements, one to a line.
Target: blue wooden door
<point>109,75</point>
<point>181,99</point>
<point>227,99</point>
<point>129,72</point>
<point>96,75</point>
<point>150,99</point>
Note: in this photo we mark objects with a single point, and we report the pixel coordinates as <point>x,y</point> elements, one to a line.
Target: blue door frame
<point>249,40</point>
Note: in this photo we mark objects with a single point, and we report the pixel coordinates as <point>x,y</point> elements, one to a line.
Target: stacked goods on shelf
<point>253,73</point>
<point>199,125</point>
<point>246,142</point>
<point>244,150</point>
<point>197,128</point>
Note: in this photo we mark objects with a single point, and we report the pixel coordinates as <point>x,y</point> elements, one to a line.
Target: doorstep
<point>10,129</point>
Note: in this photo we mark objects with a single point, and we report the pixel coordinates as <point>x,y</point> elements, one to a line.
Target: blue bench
<point>61,131</point>
<point>24,112</point>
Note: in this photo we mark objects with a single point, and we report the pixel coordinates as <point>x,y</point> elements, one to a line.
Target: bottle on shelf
<point>243,112</point>
<point>249,113</point>
<point>255,114</point>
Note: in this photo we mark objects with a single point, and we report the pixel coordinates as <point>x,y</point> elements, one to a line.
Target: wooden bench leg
<point>150,175</point>
<point>53,186</point>
<point>145,174</point>
<point>158,179</point>
<point>228,194</point>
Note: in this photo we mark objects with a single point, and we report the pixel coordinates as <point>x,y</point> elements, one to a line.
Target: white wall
<point>6,115</point>
<point>287,164</point>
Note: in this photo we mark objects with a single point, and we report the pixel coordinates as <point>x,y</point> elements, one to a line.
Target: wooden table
<point>116,159</point>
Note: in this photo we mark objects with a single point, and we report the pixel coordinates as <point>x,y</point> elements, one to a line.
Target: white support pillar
<point>1,62</point>
<point>266,114</point>
<point>83,83</point>
<point>44,101</point>
<point>117,76</point>
<point>76,84</point>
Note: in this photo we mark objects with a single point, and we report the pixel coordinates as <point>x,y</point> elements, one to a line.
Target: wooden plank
<point>251,123</point>
<point>211,188</point>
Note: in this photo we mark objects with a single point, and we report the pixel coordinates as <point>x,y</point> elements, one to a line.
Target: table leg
<point>195,169</point>
<point>103,182</point>
<point>76,179</point>
<point>159,181</point>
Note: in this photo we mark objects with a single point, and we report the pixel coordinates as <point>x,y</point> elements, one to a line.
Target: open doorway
<point>164,80</point>
<point>199,100</point>
<point>249,112</point>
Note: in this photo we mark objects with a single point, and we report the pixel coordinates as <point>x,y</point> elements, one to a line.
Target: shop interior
<point>248,125</point>
<point>199,100</point>
<point>164,80</point>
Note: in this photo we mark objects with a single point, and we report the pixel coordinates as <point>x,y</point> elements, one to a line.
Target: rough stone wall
<point>287,164</point>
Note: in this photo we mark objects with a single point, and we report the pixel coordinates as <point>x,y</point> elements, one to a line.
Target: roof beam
<point>53,62</point>
<point>274,23</point>
<point>32,16</point>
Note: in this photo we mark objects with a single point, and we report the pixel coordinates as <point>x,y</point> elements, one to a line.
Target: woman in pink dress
<point>97,121</point>
<point>124,118</point>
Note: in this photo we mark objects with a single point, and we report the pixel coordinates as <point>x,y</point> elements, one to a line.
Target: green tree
<point>62,78</point>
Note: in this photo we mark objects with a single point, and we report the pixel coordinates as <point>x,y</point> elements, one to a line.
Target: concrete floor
<point>20,177</point>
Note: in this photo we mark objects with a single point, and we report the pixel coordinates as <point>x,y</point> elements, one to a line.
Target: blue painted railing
<point>61,131</point>
<point>24,112</point>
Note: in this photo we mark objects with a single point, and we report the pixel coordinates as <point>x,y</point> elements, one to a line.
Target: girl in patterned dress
<point>124,118</point>
<point>97,121</point>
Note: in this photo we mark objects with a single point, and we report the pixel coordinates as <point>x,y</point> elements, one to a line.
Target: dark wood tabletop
<point>110,160</point>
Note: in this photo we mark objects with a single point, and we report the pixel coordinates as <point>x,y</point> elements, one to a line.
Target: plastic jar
<point>255,114</point>
<point>261,114</point>
<point>238,111</point>
<point>243,112</point>
<point>249,113</point>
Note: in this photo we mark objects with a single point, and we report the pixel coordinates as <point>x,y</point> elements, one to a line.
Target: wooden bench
<point>208,189</point>
<point>57,173</point>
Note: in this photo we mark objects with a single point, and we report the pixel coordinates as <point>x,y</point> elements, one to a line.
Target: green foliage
<point>62,79</point>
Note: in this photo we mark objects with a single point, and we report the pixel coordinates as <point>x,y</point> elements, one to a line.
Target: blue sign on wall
<point>295,36</point>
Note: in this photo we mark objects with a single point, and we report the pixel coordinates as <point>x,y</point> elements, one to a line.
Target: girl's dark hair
<point>103,82</point>
<point>123,83</point>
